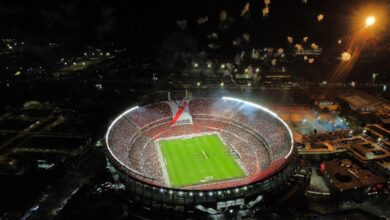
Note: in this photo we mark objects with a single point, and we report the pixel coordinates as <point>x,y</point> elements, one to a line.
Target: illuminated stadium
<point>211,155</point>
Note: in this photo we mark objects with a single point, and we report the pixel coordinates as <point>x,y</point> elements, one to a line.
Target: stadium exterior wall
<point>154,196</point>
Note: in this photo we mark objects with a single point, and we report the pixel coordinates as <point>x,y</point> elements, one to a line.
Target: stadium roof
<point>361,100</point>
<point>346,175</point>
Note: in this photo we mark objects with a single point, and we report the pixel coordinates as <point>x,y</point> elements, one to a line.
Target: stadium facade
<point>254,136</point>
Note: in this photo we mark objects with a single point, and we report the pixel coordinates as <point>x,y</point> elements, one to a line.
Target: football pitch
<point>198,160</point>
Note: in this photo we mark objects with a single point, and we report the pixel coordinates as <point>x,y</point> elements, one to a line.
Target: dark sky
<point>142,23</point>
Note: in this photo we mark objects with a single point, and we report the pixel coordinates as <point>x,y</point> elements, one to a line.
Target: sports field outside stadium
<point>199,159</point>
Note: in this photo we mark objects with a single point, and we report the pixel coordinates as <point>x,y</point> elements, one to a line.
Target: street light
<point>370,20</point>
<point>374,75</point>
<point>345,56</point>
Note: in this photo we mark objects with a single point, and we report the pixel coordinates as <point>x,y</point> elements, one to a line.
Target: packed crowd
<point>256,137</point>
<point>150,113</point>
<point>267,126</point>
<point>251,150</point>
<point>119,138</point>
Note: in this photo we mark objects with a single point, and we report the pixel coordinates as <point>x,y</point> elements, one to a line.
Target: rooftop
<point>346,175</point>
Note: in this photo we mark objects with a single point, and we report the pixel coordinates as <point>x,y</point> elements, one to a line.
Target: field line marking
<point>204,154</point>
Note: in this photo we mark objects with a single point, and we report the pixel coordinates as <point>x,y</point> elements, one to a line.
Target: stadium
<point>207,155</point>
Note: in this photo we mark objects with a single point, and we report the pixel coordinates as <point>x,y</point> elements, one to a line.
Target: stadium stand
<point>259,140</point>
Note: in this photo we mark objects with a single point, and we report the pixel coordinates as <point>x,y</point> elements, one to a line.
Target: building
<point>362,102</point>
<point>368,151</point>
<point>377,132</point>
<point>384,166</point>
<point>326,102</point>
<point>346,177</point>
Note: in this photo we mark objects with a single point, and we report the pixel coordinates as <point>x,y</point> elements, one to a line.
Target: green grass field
<point>195,160</point>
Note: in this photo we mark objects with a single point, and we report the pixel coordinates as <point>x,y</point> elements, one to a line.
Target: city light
<point>345,56</point>
<point>346,44</point>
<point>370,20</point>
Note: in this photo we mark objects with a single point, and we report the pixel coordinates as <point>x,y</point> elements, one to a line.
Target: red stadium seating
<point>259,139</point>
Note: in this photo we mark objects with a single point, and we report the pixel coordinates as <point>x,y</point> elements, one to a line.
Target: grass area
<point>198,160</point>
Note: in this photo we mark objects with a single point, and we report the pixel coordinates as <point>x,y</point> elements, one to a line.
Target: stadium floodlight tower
<point>185,155</point>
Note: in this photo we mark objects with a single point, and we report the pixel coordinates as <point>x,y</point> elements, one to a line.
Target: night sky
<point>142,25</point>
